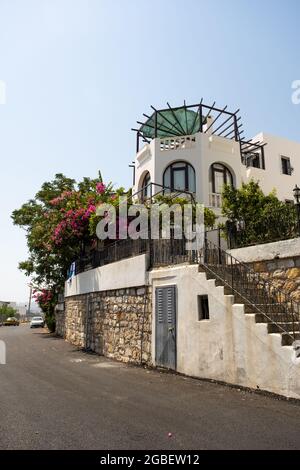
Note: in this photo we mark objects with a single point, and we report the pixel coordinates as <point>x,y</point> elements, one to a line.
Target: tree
<point>57,224</point>
<point>7,311</point>
<point>263,217</point>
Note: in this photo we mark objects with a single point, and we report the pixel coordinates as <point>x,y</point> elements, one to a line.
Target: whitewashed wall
<point>131,272</point>
<point>272,178</point>
<point>268,251</point>
<point>213,149</point>
<point>200,154</point>
<point>230,346</point>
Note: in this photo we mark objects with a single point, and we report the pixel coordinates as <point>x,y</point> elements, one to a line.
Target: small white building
<point>199,148</point>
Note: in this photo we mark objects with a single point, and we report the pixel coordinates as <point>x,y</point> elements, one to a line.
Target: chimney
<point>208,125</point>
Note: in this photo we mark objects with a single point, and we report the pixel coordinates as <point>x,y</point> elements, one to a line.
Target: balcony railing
<point>215,200</point>
<point>176,143</point>
<point>111,253</point>
<point>162,252</point>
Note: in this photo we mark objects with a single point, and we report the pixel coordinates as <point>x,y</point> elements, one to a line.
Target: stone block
<point>141,291</point>
<point>296,295</point>
<point>289,287</point>
<point>279,273</point>
<point>293,273</point>
<point>285,263</point>
<point>260,267</point>
<point>271,265</point>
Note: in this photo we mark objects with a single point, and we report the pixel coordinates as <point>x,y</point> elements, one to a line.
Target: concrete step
<point>280,326</point>
<point>273,317</point>
<point>282,320</point>
<point>250,292</point>
<point>288,339</point>
<point>250,295</point>
<point>250,306</point>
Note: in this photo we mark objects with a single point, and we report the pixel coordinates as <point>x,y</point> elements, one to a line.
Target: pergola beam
<point>166,119</point>
<point>233,130</point>
<point>175,117</point>
<point>158,128</point>
<point>220,113</point>
<point>210,110</point>
<point>225,122</point>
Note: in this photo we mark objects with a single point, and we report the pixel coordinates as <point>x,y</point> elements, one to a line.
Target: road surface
<point>53,396</point>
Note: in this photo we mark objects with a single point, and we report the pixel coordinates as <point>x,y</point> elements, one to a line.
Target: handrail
<point>260,293</point>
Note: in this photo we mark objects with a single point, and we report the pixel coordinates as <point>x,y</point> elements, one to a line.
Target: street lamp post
<point>29,302</point>
<point>296,192</point>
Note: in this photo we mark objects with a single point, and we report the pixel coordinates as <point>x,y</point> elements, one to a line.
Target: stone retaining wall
<point>115,323</point>
<point>284,274</point>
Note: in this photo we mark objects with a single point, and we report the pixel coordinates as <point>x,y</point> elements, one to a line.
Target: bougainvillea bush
<point>58,223</point>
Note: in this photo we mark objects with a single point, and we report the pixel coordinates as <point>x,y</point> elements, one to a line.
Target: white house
<point>199,148</point>
<point>209,316</point>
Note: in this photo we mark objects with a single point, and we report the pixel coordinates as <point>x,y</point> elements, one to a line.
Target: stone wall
<point>60,319</point>
<point>115,323</point>
<point>284,274</point>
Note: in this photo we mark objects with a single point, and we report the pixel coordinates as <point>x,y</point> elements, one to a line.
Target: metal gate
<point>165,338</point>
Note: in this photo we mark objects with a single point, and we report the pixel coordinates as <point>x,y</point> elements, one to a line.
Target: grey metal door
<point>165,314</point>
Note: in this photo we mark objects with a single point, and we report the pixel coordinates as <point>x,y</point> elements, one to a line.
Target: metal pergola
<point>187,120</point>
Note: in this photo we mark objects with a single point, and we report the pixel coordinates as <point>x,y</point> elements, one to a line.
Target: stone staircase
<point>278,315</point>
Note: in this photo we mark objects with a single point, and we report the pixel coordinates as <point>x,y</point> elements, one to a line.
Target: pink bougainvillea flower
<point>100,188</point>
<point>92,208</point>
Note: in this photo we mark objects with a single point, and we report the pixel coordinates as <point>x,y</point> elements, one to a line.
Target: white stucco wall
<point>272,177</point>
<point>201,155</point>
<point>230,346</point>
<point>268,251</point>
<point>131,272</point>
<point>213,149</point>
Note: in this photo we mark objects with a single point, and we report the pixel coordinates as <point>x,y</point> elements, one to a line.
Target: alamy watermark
<point>2,92</point>
<point>296,92</point>
<point>156,221</point>
<point>2,352</point>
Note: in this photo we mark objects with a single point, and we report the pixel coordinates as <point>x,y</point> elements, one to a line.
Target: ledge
<point>268,251</point>
<point>130,272</point>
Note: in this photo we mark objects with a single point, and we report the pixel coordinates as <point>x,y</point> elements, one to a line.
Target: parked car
<point>37,322</point>
<point>11,321</point>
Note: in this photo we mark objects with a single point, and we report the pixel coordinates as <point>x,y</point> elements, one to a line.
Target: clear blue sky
<point>79,73</point>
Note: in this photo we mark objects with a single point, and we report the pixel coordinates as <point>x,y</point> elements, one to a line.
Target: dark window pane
<point>286,166</point>
<point>203,307</point>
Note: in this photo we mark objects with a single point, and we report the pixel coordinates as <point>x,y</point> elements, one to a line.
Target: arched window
<point>220,175</point>
<point>146,186</point>
<point>180,176</point>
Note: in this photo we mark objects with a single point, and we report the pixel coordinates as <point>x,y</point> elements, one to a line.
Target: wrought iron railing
<point>116,251</point>
<point>166,252</point>
<point>251,288</point>
<point>162,252</point>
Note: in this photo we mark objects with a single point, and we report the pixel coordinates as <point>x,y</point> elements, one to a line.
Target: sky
<point>78,74</point>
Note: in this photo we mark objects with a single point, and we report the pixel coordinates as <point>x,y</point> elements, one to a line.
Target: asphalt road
<point>53,396</point>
